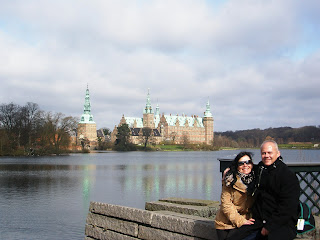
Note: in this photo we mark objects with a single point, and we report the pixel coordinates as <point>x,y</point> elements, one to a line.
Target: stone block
<point>187,225</point>
<point>158,234</point>
<point>126,213</point>
<point>101,234</point>
<point>114,224</point>
<point>202,211</point>
<point>175,214</point>
<point>190,201</point>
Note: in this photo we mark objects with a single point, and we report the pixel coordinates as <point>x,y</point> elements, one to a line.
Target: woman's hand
<point>249,222</point>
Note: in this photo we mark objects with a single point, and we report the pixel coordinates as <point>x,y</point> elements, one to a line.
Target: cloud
<point>256,61</point>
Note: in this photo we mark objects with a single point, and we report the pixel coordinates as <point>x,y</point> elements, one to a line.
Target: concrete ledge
<point>158,234</point>
<point>201,211</point>
<point>114,224</point>
<point>126,213</point>
<point>190,201</point>
<point>100,233</point>
<point>185,224</point>
<point>107,221</point>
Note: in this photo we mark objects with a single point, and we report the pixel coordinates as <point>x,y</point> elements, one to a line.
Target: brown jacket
<point>234,207</point>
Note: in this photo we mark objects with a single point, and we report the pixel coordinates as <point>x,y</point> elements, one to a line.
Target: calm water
<point>48,197</point>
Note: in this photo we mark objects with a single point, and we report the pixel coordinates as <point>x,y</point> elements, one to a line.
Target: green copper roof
<point>171,119</point>
<point>131,120</point>
<point>87,117</point>
<point>148,108</point>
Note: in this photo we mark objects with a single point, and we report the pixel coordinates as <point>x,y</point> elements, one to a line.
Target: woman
<point>235,201</point>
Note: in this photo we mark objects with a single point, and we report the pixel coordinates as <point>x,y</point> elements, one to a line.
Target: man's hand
<point>264,232</point>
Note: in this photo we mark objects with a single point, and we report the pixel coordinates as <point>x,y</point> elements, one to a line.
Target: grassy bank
<point>299,146</point>
<point>203,147</point>
<point>176,147</point>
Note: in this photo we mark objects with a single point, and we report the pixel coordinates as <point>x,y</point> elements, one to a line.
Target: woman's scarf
<point>246,178</point>
<point>230,178</point>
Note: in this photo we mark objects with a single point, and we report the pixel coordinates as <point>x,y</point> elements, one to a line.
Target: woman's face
<point>245,165</point>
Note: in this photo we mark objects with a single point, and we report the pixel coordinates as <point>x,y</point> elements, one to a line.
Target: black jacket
<point>277,196</point>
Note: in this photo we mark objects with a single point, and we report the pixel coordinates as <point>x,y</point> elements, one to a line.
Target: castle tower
<point>208,124</point>
<point>157,112</point>
<point>148,115</point>
<point>87,128</point>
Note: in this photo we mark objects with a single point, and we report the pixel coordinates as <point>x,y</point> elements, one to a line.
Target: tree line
<point>254,137</point>
<point>27,130</point>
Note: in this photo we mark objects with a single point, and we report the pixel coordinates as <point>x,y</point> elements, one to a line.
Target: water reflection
<point>160,180</point>
<point>44,167</point>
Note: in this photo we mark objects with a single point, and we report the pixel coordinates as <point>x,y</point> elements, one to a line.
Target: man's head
<point>269,152</point>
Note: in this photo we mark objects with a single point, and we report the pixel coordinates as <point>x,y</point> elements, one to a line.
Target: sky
<point>257,62</point>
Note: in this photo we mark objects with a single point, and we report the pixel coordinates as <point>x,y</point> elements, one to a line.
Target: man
<point>277,195</point>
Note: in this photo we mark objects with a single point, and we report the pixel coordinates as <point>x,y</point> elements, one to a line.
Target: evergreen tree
<point>123,139</point>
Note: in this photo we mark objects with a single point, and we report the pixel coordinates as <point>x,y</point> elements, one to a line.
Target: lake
<point>49,197</point>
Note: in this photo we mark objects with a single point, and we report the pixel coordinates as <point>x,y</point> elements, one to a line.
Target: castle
<point>171,128</point>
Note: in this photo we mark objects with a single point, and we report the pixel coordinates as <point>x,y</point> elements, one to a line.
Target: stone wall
<point>107,221</point>
<point>170,218</point>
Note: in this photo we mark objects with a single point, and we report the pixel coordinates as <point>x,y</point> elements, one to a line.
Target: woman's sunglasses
<point>244,162</point>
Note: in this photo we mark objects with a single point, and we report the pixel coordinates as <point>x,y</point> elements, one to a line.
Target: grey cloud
<point>239,56</point>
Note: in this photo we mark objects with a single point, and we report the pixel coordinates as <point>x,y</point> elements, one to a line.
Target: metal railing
<point>308,175</point>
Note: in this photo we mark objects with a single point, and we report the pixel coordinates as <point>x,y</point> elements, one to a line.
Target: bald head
<point>269,152</point>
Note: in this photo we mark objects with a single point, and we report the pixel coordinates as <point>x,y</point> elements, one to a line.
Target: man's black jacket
<point>277,195</point>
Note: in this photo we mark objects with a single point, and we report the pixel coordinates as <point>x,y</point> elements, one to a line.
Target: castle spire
<point>157,110</point>
<point>87,105</point>
<point>208,112</point>
<point>87,116</point>
<point>148,108</point>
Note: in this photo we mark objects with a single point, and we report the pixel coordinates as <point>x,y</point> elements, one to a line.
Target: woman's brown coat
<point>235,206</point>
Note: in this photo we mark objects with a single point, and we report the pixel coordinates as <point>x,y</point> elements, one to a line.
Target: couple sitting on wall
<point>258,201</point>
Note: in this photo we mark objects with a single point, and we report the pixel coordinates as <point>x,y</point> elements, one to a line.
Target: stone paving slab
<point>202,211</point>
<point>109,223</point>
<point>190,201</point>
<point>126,213</point>
<point>175,214</point>
<point>159,234</point>
<point>102,234</point>
<point>185,224</point>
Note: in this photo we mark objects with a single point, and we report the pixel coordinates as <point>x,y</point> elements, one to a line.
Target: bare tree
<point>9,119</point>
<point>31,121</point>
<point>185,140</point>
<point>20,123</point>
<point>173,136</point>
<point>106,131</point>
<point>56,132</point>
<point>146,136</point>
